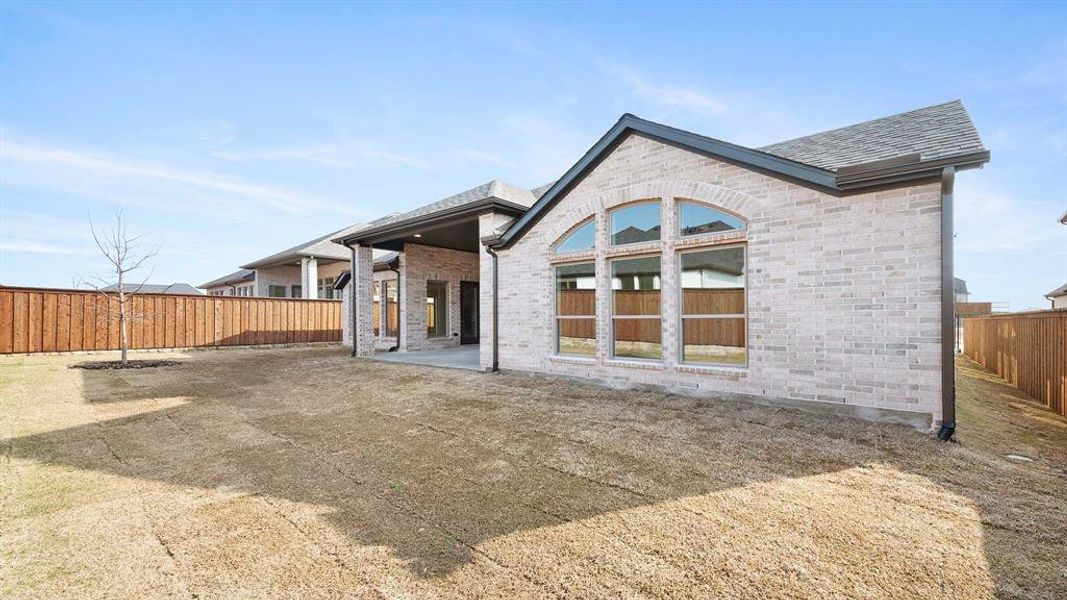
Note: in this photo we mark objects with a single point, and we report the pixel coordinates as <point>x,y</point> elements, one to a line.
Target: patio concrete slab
<point>459,357</point>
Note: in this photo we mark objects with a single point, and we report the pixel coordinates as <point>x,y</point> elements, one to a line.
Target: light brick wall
<point>382,342</point>
<point>281,275</point>
<point>843,293</point>
<point>418,265</point>
<point>489,224</point>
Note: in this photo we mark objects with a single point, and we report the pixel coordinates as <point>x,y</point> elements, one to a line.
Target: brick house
<point>813,272</point>
<point>306,270</point>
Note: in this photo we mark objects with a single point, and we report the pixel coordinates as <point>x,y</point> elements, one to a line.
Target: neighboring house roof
<point>493,192</point>
<point>320,247</point>
<point>896,150</point>
<point>932,132</point>
<point>1056,293</point>
<point>541,189</point>
<point>152,288</point>
<point>239,276</point>
<point>959,286</point>
<point>380,262</point>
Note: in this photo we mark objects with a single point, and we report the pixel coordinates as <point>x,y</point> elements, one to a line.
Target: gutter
<point>496,313</point>
<point>948,310</point>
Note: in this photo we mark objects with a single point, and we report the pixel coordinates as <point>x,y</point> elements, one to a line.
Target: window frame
<point>441,311</point>
<point>678,202</point>
<point>681,307</point>
<point>591,220</point>
<point>387,284</point>
<point>324,286</point>
<point>556,317</point>
<point>612,316</point>
<point>610,218</point>
<point>271,288</point>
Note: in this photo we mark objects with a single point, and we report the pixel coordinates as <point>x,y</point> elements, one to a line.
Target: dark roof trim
<point>436,219</point>
<point>857,178</point>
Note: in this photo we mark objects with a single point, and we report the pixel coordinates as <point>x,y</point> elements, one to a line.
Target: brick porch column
<point>363,299</point>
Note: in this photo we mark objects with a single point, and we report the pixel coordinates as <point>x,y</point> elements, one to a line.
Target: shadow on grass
<point>433,464</point>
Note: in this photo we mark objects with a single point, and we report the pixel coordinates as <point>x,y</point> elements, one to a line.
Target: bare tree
<point>125,256</point>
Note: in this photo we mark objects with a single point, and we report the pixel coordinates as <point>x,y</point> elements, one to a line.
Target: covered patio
<point>443,289</point>
<point>456,357</point>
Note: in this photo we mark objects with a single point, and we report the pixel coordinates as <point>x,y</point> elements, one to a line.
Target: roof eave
<point>392,230</point>
<point>859,181</point>
<point>854,181</point>
<point>807,175</point>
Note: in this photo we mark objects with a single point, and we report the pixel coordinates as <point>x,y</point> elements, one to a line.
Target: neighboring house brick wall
<point>228,290</point>
<point>843,293</point>
<point>281,275</point>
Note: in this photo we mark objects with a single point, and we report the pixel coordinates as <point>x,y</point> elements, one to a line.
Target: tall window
<point>436,309</point>
<point>276,291</point>
<point>576,309</point>
<point>695,219</point>
<point>377,307</point>
<point>325,285</point>
<point>296,291</point>
<point>583,238</point>
<point>635,308</point>
<point>713,306</point>
<point>392,316</point>
<point>637,223</point>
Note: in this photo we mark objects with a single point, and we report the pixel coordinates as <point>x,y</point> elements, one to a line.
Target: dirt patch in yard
<point>118,364</point>
<point>303,472</point>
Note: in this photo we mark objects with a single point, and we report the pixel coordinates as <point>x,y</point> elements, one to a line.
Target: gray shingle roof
<point>235,277</point>
<point>1060,291</point>
<point>493,189</point>
<point>320,247</point>
<point>934,132</point>
<point>153,288</point>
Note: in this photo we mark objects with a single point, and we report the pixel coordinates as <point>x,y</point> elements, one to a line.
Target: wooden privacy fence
<point>728,332</point>
<point>50,320</point>
<point>1029,350</point>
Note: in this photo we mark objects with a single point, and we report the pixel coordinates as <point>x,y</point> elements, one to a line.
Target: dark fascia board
<point>851,180</point>
<point>289,259</point>
<point>435,219</point>
<point>885,173</point>
<point>630,124</point>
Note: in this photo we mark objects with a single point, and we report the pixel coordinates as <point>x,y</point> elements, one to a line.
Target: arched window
<point>636,223</point>
<point>582,238</point>
<point>695,219</point>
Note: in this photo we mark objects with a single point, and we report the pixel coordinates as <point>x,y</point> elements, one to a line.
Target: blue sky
<point>229,131</point>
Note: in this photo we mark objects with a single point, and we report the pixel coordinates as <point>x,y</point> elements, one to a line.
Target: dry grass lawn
<point>303,472</point>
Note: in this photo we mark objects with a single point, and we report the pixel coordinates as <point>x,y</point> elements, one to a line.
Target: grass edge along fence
<point>1027,349</point>
<point>60,320</point>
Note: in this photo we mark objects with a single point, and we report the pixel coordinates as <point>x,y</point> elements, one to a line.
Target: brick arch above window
<point>717,196</point>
